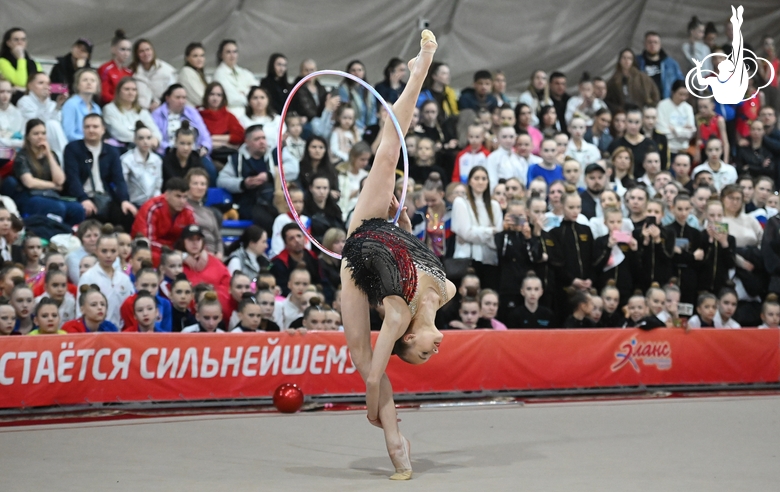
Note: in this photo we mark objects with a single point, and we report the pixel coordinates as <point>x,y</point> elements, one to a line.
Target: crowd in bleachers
<point>628,203</point>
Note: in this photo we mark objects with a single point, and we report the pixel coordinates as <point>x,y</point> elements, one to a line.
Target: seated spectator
<point>153,76</point>
<point>468,313</point>
<point>320,210</point>
<point>330,267</point>
<point>172,114</point>
<point>629,85</point>
<point>706,309</point>
<point>93,309</point>
<point>351,174</point>
<point>259,112</point>
<point>759,207</point>
<point>209,219</point>
<point>281,220</point>
<point>392,85</point>
<point>293,147</point>
<point>163,218</point>
<point>598,134</point>
<point>68,65</point>
<point>147,281</point>
<point>530,314</point>
<point>583,152</point>
<point>247,315</point>
<point>358,97</point>
<point>309,101</point>
<point>81,104</point>
<point>524,125</point>
<point>88,233</point>
<point>681,169</point>
<point>47,319</point>
<point>7,318</point>
<point>38,104</point>
<point>181,157</point>
<point>549,168</point>
<point>23,302</point>
<point>11,126</point>
<point>722,174</point>
<point>171,265</point>
<point>200,266</point>
<point>114,285</point>
<point>249,176</point>
<point>275,81</point>
<point>581,305</point>
<point>294,254</point>
<point>209,315</point>
<point>756,158</point>
<point>488,308</point>
<point>344,136</point>
<point>16,65</point>
<point>585,105</point>
<point>247,254</point>
<point>611,316</point>
<point>236,81</point>
<point>192,76</point>
<point>124,112</point>
<point>41,179</point>
<point>145,312</point>
<point>433,129</point>
<point>537,95</point>
<point>181,300</point>
<point>658,65</point>
<point>548,122</point>
<point>315,161</point>
<point>93,176</point>
<point>437,88</point>
<point>499,89</point>
<point>474,155</point>
<point>141,167</point>
<point>292,308</point>
<point>651,168</point>
<point>635,141</point>
<point>768,117</point>
<point>676,119</point>
<point>226,132</point>
<point>116,68</point>
<point>480,95</point>
<point>709,125</point>
<point>770,312</point>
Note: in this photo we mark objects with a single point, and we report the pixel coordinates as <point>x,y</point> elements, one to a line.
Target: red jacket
<point>39,287</point>
<point>156,222</point>
<point>110,75</point>
<point>216,274</point>
<point>223,122</point>
<point>469,160</point>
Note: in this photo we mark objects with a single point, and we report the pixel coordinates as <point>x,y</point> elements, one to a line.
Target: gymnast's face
<point>421,342</point>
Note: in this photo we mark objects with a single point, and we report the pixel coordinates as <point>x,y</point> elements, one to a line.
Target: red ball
<point>288,398</point>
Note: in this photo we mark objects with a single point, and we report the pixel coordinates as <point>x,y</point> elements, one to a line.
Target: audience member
<point>16,65</point>
<point>93,309</point>
<point>247,254</point>
<point>172,114</point>
<point>208,315</point>
<point>181,157</point>
<point>480,95</point>
<point>192,75</point>
<point>392,85</point>
<point>560,98</point>
<point>142,168</point>
<point>358,97</point>
<point>722,174</point>
<point>80,104</point>
<point>659,66</point>
<point>63,72</point>
<point>124,112</point>
<point>756,158</point>
<point>294,255</point>
<point>320,209</point>
<point>537,95</point>
<point>209,219</point>
<point>649,129</point>
<point>585,105</point>
<point>200,266</point>
<point>259,112</point>
<point>226,132</point>
<point>634,141</point>
<point>275,82</point>
<point>676,119</point>
<point>711,125</point>
<point>237,81</point>
<point>630,86</point>
<point>116,68</point>
<point>598,133</point>
<point>437,88</point>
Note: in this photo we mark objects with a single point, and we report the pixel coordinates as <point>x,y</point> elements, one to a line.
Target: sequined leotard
<point>386,260</point>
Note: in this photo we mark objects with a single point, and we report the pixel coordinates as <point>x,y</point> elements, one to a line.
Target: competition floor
<point>690,444</point>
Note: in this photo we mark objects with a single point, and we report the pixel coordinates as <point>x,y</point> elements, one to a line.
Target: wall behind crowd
<point>517,37</point>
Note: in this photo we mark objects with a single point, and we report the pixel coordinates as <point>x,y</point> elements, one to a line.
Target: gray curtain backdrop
<point>514,36</point>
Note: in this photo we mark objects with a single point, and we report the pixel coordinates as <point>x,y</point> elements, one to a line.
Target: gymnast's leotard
<point>386,260</point>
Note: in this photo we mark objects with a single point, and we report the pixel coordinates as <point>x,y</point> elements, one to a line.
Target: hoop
<point>390,115</point>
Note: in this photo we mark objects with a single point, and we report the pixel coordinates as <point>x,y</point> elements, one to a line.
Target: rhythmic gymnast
<point>385,264</point>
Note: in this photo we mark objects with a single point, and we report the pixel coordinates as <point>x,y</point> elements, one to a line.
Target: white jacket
<point>236,81</point>
<point>121,124</point>
<point>674,117</point>
<point>476,234</point>
<point>153,83</point>
<point>505,164</point>
<point>143,177</point>
<point>193,84</point>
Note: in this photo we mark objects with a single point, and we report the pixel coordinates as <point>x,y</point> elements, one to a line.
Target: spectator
<point>293,306</point>
<point>330,267</point>
<point>619,124</point>
<point>294,253</point>
<point>583,152</point>
<point>688,249</point>
<point>147,283</point>
<point>722,174</point>
<point>88,233</point>
<point>275,81</point>
<point>633,140</point>
<point>68,65</point>
<point>768,117</point>
<point>247,314</point>
<point>479,96</point>
<point>503,163</point>
<point>537,95</point>
<point>227,134</point>
<point>41,179</point>
<point>249,176</point>
<point>392,85</point>
<point>755,158</point>
<point>676,120</point>
<point>770,53</point>
<point>171,266</point>
<point>762,192</point>
<point>499,89</point>
<point>770,250</point>
<point>652,169</point>
<point>659,66</point>
<point>575,241</point>
<point>38,104</point>
<point>607,199</point>
<point>16,65</point>
<point>240,284</point>
<point>585,105</point>
<point>351,174</point>
<point>475,220</point>
<point>93,176</point>
<point>474,155</point>
<point>80,104</point>
<point>468,313</point>
<point>284,218</point>
<point>719,251</point>
<point>681,169</point>
<point>94,309</point>
<point>115,69</point>
<point>124,112</point>
<point>598,133</point>
<point>200,266</point>
<point>548,124</point>
<point>710,36</point>
<point>293,147</point>
<point>247,254</point>
<point>320,209</point>
<point>142,168</point>
<point>209,219</point>
<point>649,130</point>
<point>694,47</point>
<point>711,125</point>
<point>623,168</point>
<point>47,318</point>
<point>549,168</point>
<point>181,158</point>
<point>162,219</point>
<point>309,101</point>
<point>530,314</point>
<point>146,312</point>
<point>236,81</point>
<point>523,148</point>
<point>595,181</point>
<point>437,88</point>
<point>209,315</point>
<point>629,86</point>
<point>560,98</point>
<point>344,136</point>
<point>770,312</point>
<point>358,97</point>
<point>581,305</point>
<point>11,126</point>
<point>432,223</point>
<point>706,308</point>
<point>524,125</point>
<point>114,284</point>
<point>192,75</point>
<point>746,229</point>
<point>259,112</point>
<point>432,128</point>
<point>172,114</point>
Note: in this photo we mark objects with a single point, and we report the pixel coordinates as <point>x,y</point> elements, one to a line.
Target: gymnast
<point>385,264</point>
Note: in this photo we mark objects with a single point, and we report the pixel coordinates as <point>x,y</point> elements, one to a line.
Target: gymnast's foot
<point>428,47</point>
<point>402,461</point>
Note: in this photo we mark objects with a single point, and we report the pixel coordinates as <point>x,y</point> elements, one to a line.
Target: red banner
<point>73,369</point>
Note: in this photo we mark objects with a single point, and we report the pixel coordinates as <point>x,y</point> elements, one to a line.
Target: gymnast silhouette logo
<point>632,352</point>
<point>729,84</point>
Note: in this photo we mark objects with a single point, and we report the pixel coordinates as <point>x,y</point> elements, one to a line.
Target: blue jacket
<point>670,71</point>
<point>468,100</point>
<point>77,160</point>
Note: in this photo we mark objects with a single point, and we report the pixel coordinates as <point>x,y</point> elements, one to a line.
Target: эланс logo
<point>729,84</point>
<point>632,352</point>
